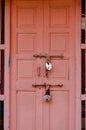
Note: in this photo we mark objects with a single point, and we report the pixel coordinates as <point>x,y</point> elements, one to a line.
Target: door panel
<point>27,26</point>
<point>42,27</point>
<point>25,118</point>
<point>57,111</point>
<point>61,122</point>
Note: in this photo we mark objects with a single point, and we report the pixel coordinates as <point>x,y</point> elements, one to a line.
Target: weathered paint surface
<point>42,27</point>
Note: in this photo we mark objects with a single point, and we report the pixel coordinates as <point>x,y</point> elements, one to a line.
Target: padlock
<point>48,66</point>
<point>47,96</point>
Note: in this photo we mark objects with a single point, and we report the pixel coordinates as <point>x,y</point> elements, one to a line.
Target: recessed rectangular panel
<point>26,106</point>
<point>26,16</point>
<point>58,41</point>
<point>25,68</point>
<point>26,42</point>
<point>59,16</point>
<point>59,111</point>
<point>60,69</point>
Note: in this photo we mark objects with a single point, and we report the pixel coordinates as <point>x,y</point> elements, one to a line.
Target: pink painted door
<point>42,27</point>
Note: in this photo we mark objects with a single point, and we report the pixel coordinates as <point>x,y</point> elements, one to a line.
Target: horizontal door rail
<point>1,97</point>
<point>83,97</point>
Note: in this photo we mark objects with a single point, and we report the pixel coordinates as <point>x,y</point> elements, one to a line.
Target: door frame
<point>7,67</point>
<point>77,65</point>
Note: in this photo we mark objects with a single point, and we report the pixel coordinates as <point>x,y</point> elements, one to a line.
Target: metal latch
<point>47,85</point>
<point>48,64</point>
<point>48,56</point>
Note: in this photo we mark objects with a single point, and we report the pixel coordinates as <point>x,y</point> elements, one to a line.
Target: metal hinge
<point>9,61</point>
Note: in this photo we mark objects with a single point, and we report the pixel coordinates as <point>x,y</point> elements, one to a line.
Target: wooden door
<point>45,27</point>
